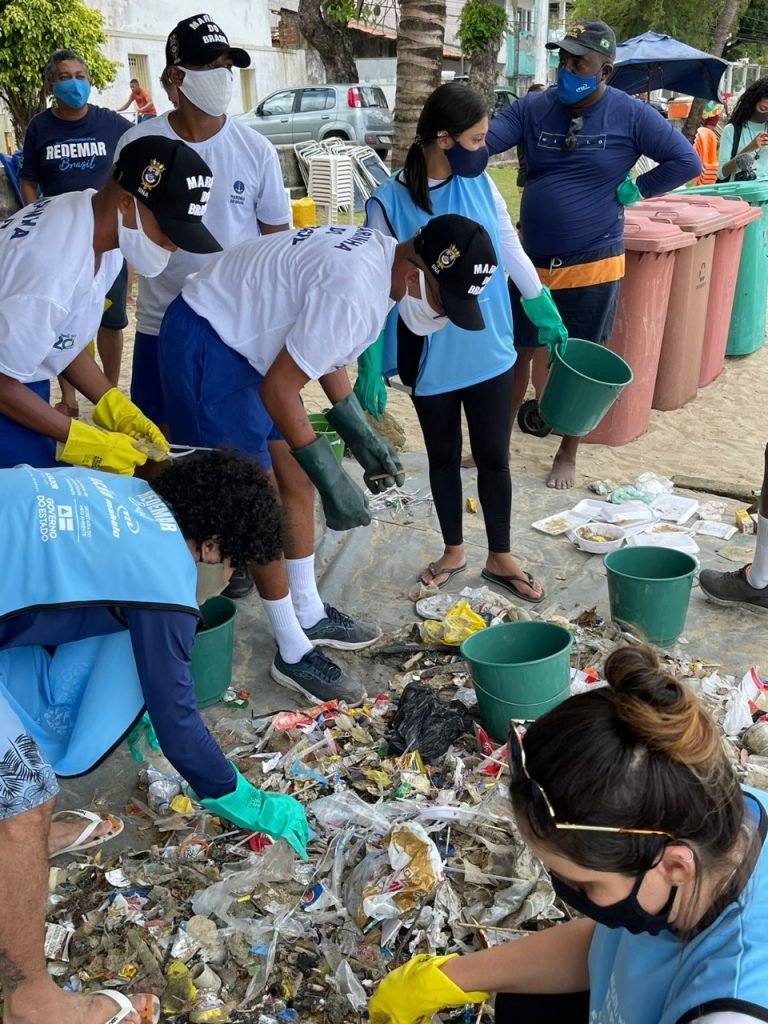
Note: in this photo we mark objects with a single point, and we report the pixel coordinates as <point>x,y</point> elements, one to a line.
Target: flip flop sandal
<point>448,573</point>
<point>149,1015</point>
<point>508,583</point>
<point>84,841</point>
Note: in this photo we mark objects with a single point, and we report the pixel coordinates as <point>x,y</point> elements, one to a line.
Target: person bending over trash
<point>628,799</point>
<point>236,348</point>
<point>58,259</point>
<point>98,614</point>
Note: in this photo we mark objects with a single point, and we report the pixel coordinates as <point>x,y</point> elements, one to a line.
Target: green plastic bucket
<point>649,589</point>
<point>319,424</point>
<point>520,670</point>
<point>211,660</point>
<point>583,383</point>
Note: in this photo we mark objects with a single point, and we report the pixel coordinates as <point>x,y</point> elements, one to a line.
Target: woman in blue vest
<point>98,611</point>
<point>627,798</point>
<point>444,172</point>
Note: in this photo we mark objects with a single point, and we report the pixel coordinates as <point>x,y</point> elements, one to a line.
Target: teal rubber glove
<point>628,193</point>
<point>544,314</point>
<point>382,467</point>
<point>369,386</point>
<point>142,730</point>
<point>281,817</point>
<point>344,504</point>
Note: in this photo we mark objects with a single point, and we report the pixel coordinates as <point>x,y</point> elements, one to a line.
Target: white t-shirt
<point>321,293</point>
<point>51,297</point>
<point>247,187</point>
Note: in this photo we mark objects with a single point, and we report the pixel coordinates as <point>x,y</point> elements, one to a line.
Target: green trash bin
<point>211,659</point>
<point>747,330</point>
<point>584,381</point>
<point>320,425</point>
<point>649,589</point>
<point>520,670</point>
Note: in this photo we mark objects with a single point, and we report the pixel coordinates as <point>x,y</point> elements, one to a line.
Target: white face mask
<point>418,316</point>
<point>209,91</point>
<point>146,256</point>
<point>211,580</point>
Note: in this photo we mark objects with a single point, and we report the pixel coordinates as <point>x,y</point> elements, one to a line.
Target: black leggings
<point>488,408</point>
<point>560,1009</point>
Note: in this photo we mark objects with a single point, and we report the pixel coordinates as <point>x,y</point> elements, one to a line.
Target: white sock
<point>758,574</point>
<point>303,587</point>
<point>292,641</point>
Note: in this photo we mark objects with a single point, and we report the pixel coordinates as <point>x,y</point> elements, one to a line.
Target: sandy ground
<point>720,436</point>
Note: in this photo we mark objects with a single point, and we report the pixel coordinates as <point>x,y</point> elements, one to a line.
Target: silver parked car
<point>358,113</point>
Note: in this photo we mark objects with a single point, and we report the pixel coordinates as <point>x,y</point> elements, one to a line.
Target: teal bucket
<point>649,589</point>
<point>320,425</point>
<point>583,383</point>
<point>211,659</point>
<point>520,671</point>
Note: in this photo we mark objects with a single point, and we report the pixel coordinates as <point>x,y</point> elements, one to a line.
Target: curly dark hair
<point>227,497</point>
<point>748,101</point>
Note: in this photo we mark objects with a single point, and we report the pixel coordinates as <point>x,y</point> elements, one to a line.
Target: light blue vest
<point>453,358</point>
<point>659,979</point>
<point>76,537</point>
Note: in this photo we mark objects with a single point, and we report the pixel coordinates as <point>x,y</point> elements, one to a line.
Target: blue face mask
<point>467,163</point>
<point>74,92</point>
<point>573,89</point>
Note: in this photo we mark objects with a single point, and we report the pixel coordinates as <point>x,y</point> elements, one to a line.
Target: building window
<point>247,88</point>
<point>138,68</point>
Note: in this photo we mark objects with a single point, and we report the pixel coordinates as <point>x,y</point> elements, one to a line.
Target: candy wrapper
<point>415,871</point>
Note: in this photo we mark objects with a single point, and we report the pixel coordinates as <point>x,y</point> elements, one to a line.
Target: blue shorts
<point>19,444</point>
<point>211,392</point>
<point>146,390</point>
<point>115,318</point>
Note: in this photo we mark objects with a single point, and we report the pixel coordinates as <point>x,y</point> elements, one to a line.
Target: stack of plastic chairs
<point>331,185</point>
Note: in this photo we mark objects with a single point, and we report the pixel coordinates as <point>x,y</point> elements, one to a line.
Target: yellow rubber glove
<point>417,990</point>
<point>114,411</point>
<point>99,449</point>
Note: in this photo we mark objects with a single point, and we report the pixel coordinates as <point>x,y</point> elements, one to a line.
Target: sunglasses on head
<point>571,139</point>
<point>519,770</point>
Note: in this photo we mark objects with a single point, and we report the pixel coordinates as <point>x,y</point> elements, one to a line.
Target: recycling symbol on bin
<point>702,273</point>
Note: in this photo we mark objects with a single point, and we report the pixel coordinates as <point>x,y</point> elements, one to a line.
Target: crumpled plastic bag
<point>459,623</point>
<point>425,723</point>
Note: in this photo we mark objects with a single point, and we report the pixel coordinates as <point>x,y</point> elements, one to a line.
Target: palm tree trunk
<point>720,35</point>
<point>420,38</point>
<point>484,71</point>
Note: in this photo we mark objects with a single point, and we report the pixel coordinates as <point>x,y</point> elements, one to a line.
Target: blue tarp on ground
<point>654,61</point>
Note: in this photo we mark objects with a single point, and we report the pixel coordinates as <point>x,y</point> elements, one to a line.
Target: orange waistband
<point>580,275</point>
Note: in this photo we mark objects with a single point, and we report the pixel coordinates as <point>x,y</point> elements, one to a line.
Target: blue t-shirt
<point>69,156</point>
<point>569,204</point>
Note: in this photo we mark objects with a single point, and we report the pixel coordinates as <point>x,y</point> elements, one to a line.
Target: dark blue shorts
<point>211,392</point>
<point>589,308</point>
<point>115,318</point>
<point>146,390</point>
<point>19,444</point>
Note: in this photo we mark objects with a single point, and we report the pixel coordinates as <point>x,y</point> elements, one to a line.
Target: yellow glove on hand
<point>115,412</point>
<point>417,990</point>
<point>99,449</point>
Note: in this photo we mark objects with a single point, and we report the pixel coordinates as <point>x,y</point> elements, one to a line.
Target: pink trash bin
<point>652,247</point>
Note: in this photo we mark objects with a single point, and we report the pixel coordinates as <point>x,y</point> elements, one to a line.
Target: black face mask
<point>627,913</point>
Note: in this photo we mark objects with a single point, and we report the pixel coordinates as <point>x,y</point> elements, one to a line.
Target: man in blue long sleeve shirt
<point>581,139</point>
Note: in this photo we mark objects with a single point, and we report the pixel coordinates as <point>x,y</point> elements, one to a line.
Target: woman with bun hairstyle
<point>627,798</point>
<point>459,368</point>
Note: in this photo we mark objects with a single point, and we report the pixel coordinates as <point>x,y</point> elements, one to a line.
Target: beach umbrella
<point>654,61</point>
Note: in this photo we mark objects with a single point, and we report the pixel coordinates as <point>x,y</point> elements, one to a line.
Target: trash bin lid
<point>739,212</point>
<point>698,221</point>
<point>751,191</point>
<point>642,234</point>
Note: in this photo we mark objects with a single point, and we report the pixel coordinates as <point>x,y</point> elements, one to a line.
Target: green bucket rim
<point>232,608</point>
<point>646,548</point>
<point>595,380</point>
<point>504,625</point>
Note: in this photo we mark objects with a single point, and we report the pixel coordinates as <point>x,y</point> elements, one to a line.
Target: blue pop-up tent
<point>655,61</point>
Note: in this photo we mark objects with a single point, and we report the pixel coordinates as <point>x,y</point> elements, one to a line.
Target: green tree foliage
<point>30,30</point>
<point>691,21</point>
<point>480,23</point>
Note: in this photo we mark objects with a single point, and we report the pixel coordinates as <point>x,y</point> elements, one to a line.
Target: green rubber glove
<point>416,990</point>
<point>142,730</point>
<point>628,193</point>
<point>544,314</point>
<point>281,817</point>
<point>344,504</point>
<point>369,386</point>
<point>382,467</point>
